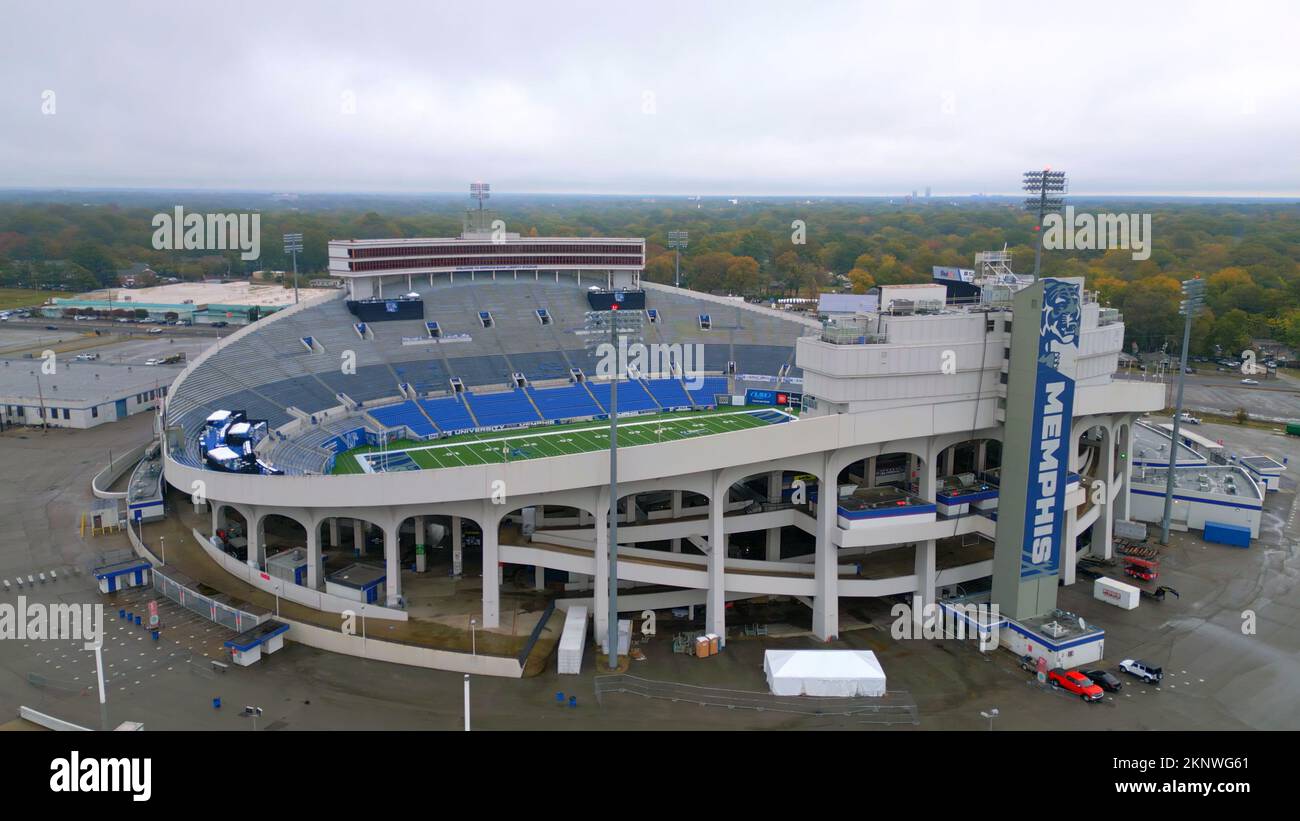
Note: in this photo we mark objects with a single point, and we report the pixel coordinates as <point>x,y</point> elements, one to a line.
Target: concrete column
<point>254,536</point>
<point>334,531</point>
<point>1069,545</point>
<point>539,577</point>
<point>600,581</point>
<point>421,560</point>
<point>491,573</point>
<point>715,600</point>
<point>773,552</point>
<point>457,548</point>
<point>539,517</point>
<point>359,537</point>
<point>948,460</point>
<point>826,594</point>
<point>982,456</point>
<point>871,471</point>
<point>677,512</point>
<point>1103,528</point>
<point>393,565</point>
<point>923,599</point>
<point>218,518</point>
<point>313,557</point>
<point>926,480</point>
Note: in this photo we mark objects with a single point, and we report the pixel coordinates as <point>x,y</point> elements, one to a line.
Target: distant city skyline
<point>745,100</point>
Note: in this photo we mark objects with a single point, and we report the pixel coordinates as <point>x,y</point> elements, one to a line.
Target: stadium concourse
<point>474,436</point>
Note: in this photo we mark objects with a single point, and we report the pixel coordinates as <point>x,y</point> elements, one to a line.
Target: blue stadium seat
<point>669,393</point>
<point>508,408</point>
<point>449,413</point>
<point>631,396</point>
<point>566,402</point>
<point>403,413</point>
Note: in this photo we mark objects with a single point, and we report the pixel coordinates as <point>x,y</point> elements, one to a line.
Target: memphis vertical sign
<point>1058,348</point>
<point>1036,445</point>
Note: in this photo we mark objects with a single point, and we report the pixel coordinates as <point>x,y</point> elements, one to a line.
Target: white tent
<point>842,673</point>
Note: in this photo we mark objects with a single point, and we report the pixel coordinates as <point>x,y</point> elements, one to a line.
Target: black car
<point>1104,680</point>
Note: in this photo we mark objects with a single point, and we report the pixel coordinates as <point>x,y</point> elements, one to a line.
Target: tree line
<point>1248,253</point>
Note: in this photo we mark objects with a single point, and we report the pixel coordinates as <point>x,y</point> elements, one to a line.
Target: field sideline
<point>553,440</point>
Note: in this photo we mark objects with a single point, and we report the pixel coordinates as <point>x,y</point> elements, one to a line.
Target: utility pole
<point>1042,183</point>
<point>1193,299</point>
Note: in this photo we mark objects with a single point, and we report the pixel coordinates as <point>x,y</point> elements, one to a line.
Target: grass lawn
<point>541,441</point>
<point>11,298</point>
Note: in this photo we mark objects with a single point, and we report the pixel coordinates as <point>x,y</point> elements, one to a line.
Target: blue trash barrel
<point>573,701</point>
<point>216,703</point>
<point>121,613</point>
<point>155,634</point>
<point>559,697</point>
<point>138,621</point>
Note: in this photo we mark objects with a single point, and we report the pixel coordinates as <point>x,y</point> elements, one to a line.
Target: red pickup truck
<point>1076,683</point>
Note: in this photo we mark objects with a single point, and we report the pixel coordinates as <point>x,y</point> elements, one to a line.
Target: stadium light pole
<point>1041,184</point>
<point>292,245</point>
<point>678,240</point>
<point>612,649</point>
<point>1193,299</point>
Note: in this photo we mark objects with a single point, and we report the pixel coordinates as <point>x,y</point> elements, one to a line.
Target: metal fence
<point>895,707</point>
<point>177,590</point>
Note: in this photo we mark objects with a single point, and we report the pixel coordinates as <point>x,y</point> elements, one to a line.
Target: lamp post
<point>467,702</point>
<point>677,240</point>
<point>990,715</point>
<point>253,713</point>
<point>1193,299</point>
<point>473,637</point>
<point>162,547</point>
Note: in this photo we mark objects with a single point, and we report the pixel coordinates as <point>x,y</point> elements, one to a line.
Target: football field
<point>552,440</point>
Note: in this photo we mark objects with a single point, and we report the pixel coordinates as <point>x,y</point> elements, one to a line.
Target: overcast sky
<point>749,98</point>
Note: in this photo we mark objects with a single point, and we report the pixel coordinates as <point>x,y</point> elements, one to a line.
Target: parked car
<point>1187,419</point>
<point>1106,681</point>
<point>220,324</point>
<point>51,327</point>
<point>153,362</point>
<point>155,330</point>
<point>86,357</point>
<point>1029,664</point>
<point>1140,669</point>
<point>1250,381</point>
<point>1075,682</point>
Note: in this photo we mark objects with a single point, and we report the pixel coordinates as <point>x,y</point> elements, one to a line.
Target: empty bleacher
<point>631,396</point>
<point>669,393</point>
<point>268,371</point>
<point>508,408</point>
<point>403,413</point>
<point>565,402</point>
<point>449,413</point>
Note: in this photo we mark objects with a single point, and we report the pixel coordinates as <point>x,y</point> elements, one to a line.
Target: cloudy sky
<point>634,97</point>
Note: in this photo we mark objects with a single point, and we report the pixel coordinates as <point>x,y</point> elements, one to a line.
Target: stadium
<point>446,416</point>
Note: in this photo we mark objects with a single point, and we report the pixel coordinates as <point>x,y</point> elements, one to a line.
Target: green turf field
<point>552,440</point>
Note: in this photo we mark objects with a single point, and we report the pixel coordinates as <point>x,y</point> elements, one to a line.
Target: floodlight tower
<point>677,240</point>
<point>293,246</point>
<point>1042,184</point>
<point>622,325</point>
<point>1193,300</point>
<point>480,191</point>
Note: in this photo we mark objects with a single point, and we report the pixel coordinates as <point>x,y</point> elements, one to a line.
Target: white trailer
<point>1113,591</point>
<point>572,640</point>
